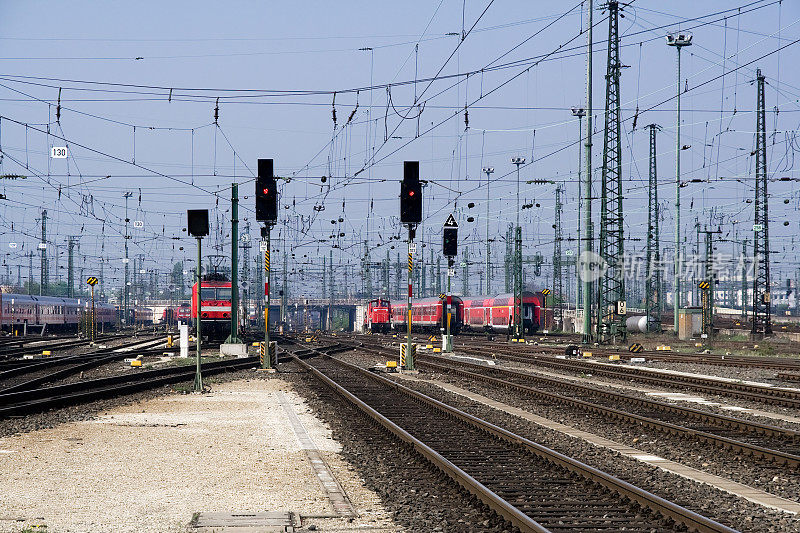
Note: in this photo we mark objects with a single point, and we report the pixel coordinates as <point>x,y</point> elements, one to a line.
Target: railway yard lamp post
<point>198,228</point>
<point>580,113</point>
<point>678,41</point>
<point>518,161</point>
<point>489,171</point>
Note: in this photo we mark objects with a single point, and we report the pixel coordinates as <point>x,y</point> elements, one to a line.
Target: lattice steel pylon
<point>762,308</point>
<point>611,286</point>
<point>558,281</point>
<point>653,272</point>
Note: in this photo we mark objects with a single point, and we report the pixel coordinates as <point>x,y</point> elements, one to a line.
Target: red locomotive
<point>379,315</point>
<point>215,306</point>
<point>173,315</point>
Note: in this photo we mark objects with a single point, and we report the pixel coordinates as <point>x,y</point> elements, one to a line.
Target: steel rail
<point>677,513</point>
<point>759,393</point>
<point>30,401</point>
<point>770,454</point>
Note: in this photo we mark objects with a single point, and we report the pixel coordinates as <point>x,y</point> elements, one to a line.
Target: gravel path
<point>150,464</point>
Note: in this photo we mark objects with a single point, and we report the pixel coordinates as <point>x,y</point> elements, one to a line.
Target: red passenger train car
<point>496,313</point>
<point>428,314</point>
<point>470,313</point>
<point>215,306</point>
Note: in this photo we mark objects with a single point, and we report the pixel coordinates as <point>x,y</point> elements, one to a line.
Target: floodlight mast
<point>580,113</point>
<point>679,41</point>
<point>489,171</point>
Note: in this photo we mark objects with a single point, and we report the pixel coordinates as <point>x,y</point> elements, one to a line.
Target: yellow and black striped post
<point>409,353</point>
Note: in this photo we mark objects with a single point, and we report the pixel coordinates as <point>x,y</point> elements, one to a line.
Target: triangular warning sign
<point>451,222</point>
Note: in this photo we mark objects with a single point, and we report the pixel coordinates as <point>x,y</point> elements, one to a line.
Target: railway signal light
<point>411,194</point>
<point>266,193</point>
<point>198,222</point>
<point>450,237</point>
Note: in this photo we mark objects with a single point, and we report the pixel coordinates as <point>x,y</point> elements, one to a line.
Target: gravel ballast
<point>718,505</point>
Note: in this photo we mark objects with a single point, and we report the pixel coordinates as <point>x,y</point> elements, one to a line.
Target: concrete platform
<point>244,450</point>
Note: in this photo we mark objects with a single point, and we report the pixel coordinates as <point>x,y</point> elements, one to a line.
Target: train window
<point>528,311</point>
<point>208,293</point>
<point>224,293</point>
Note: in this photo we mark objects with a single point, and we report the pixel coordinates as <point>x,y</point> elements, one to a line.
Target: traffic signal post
<point>450,250</point>
<point>410,215</point>
<point>266,212</point>
<point>198,227</point>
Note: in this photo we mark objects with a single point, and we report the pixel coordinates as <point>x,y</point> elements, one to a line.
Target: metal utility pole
<point>653,273</point>
<point>234,338</point>
<point>708,285</point>
<point>743,275</point>
<point>71,268</point>
<point>518,161</point>
<point>611,293</point>
<point>465,272</point>
<point>580,113</point>
<point>678,42</point>
<point>44,280</point>
<point>386,269</point>
<point>488,276</point>
<point>331,295</point>
<point>558,280</point>
<point>587,191</point>
<point>367,272</point>
<point>762,307</point>
<point>245,273</point>
<point>126,195</point>
<point>30,273</point>
<point>285,283</point>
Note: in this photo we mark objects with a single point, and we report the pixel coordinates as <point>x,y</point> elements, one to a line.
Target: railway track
<point>770,443</point>
<point>25,402</point>
<point>13,350</point>
<point>21,367</point>
<point>785,397</point>
<point>512,475</point>
<point>742,361</point>
<point>74,365</point>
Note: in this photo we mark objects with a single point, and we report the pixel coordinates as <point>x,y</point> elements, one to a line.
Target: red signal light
<point>411,193</point>
<point>265,191</point>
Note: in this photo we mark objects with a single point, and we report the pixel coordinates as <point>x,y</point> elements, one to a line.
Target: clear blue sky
<point>267,47</point>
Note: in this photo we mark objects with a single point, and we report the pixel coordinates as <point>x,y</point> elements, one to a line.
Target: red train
<point>427,314</point>
<point>177,314</point>
<point>378,315</point>
<point>215,306</point>
<point>478,313</point>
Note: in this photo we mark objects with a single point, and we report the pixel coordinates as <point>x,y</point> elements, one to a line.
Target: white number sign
<point>58,152</point>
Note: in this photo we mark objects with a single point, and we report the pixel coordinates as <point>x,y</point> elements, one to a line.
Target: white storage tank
<point>636,324</point>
